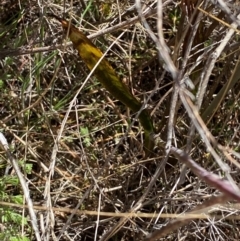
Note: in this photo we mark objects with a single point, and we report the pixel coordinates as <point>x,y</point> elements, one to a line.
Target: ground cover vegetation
<point>75,166</point>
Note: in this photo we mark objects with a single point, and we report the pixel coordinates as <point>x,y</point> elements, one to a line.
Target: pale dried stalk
<point>5,147</point>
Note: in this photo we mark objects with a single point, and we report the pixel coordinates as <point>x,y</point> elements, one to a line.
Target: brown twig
<point>122,25</point>
<point>181,221</point>
<point>213,180</point>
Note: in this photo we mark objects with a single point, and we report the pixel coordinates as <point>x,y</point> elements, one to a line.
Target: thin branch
<point>175,224</point>
<point>4,146</point>
<point>23,51</point>
<point>211,179</point>
<point>228,190</point>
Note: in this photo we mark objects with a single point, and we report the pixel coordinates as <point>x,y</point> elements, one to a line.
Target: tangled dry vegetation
<point>77,138</point>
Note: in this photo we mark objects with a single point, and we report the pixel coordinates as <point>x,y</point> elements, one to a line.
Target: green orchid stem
<point>104,72</point>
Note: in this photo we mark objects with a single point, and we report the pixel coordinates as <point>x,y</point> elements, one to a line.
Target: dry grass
<point>55,121</point>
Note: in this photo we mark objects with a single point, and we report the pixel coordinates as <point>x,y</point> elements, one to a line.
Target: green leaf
<point>85,135</point>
